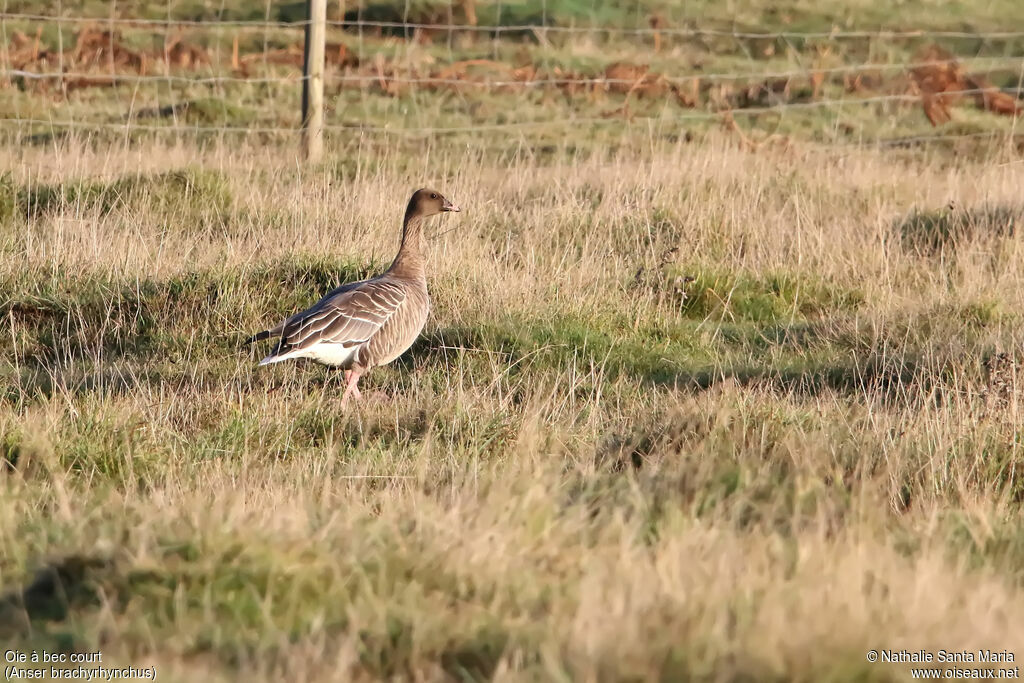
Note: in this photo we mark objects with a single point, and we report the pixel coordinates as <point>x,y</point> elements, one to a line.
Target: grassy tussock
<point>590,467</point>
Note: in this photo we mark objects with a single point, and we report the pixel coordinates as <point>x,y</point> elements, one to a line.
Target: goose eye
<point>433,196</point>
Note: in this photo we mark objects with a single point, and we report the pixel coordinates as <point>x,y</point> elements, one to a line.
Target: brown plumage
<point>360,325</point>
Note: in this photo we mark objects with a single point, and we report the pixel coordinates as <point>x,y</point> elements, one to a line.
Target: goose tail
<point>259,336</point>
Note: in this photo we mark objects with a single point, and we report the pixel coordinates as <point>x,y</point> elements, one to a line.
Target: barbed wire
<point>128,21</point>
<point>979,63</point>
<point>725,76</point>
<point>143,78</point>
<point>831,146</point>
<point>909,140</point>
<point>512,28</point>
<point>130,124</point>
<point>677,31</point>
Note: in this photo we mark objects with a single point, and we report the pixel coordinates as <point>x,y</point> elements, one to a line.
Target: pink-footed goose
<point>360,325</point>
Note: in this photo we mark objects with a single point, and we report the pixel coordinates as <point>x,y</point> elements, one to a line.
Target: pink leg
<point>351,380</point>
<point>355,389</point>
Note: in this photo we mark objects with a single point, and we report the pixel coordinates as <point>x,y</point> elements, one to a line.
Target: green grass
<point>197,192</point>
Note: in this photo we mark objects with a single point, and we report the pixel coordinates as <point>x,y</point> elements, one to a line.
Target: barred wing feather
<point>339,323</point>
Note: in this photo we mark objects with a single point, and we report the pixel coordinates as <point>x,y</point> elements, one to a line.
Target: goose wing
<point>348,316</point>
<point>277,329</point>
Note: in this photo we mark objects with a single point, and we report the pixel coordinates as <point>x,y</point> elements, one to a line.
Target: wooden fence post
<point>313,81</point>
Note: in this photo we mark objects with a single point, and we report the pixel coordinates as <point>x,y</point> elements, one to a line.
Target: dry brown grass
<point>583,473</point>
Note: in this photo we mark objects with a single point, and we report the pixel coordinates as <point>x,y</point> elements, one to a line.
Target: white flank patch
<point>328,354</point>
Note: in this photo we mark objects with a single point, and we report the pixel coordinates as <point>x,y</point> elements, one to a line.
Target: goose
<point>361,325</point>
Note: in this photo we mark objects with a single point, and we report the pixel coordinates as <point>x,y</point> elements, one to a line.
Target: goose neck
<point>410,261</point>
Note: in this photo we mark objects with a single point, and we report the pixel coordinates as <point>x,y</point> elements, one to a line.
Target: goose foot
<point>351,380</point>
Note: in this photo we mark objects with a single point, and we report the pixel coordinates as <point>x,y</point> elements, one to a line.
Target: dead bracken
<point>942,82</point>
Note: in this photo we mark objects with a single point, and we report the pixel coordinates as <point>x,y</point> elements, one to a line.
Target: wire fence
<point>834,34</point>
<point>395,78</point>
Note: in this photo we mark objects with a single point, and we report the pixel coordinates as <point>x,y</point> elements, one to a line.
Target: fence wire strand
<point>514,28</point>
<point>980,63</point>
<point>608,120</point>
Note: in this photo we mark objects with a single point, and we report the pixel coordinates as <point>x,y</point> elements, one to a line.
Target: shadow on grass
<point>188,194</point>
<point>54,591</point>
<point>400,19</point>
<point>111,379</point>
<point>93,316</point>
<point>931,233</point>
<point>65,594</point>
<point>890,376</point>
<point>799,368</point>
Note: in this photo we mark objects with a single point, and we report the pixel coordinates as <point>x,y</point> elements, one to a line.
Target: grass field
<point>684,409</point>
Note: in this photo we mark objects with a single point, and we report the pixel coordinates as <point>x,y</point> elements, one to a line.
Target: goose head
<point>427,202</point>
